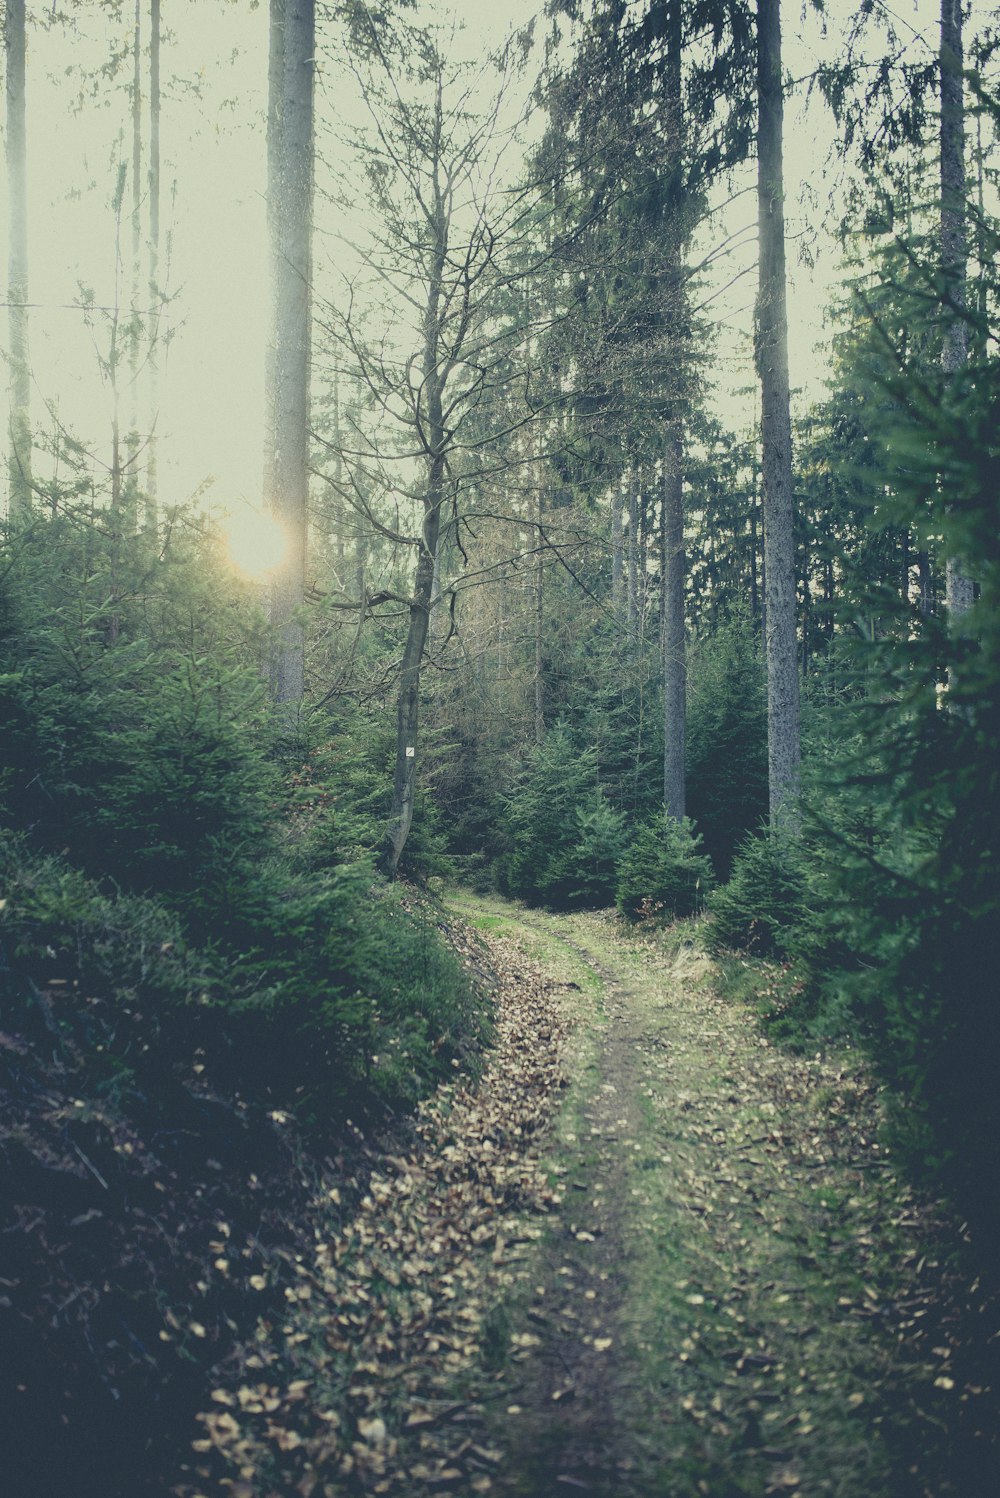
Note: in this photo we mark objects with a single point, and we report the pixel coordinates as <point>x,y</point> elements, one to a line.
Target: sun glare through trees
<point>256,542</point>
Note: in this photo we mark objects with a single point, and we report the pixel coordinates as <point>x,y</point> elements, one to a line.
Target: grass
<point>757,1266</point>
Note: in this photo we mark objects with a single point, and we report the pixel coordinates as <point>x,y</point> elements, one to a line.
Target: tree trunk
<point>136,321</point>
<point>754,549</point>
<point>617,545</point>
<point>19,451</point>
<point>539,618</point>
<point>673,561</point>
<point>289,204</point>
<point>674,665</point>
<point>408,706</point>
<point>633,560</point>
<point>955,339</point>
<point>776,436</point>
<point>434,377</point>
<point>153,372</point>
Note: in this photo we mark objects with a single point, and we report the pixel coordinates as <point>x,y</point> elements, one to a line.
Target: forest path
<point>646,1255</point>
<point>728,1297</point>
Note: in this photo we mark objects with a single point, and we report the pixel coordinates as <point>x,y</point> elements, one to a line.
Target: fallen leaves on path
<point>354,1390</point>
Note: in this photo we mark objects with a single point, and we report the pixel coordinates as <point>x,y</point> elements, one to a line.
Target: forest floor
<point>651,1253</point>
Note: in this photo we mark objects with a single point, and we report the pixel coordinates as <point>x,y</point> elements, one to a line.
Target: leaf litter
<point>354,1389</point>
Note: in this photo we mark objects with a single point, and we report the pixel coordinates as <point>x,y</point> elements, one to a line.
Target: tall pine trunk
<point>674,664</point>
<point>153,372</point>
<point>955,340</point>
<point>618,544</point>
<point>289,215</point>
<point>783,738</point>
<point>673,563</point>
<point>19,450</point>
<point>136,321</point>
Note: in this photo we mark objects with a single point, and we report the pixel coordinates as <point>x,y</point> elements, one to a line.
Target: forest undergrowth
<point>651,1253</point>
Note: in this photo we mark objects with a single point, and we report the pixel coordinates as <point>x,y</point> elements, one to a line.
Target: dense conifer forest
<point>499,925</point>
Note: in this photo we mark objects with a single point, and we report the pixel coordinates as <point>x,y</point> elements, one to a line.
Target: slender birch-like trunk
<point>136,321</point>
<point>673,562</point>
<point>633,560</point>
<point>617,545</point>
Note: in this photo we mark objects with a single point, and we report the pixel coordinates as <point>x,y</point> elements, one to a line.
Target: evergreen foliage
<point>912,936</point>
<point>158,845</point>
<point>567,839</point>
<point>664,872</point>
<point>727,738</point>
<point>765,900</point>
<point>133,735</point>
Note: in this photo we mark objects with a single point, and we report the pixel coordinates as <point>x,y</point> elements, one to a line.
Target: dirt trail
<point>648,1255</point>
<point>731,1300</point>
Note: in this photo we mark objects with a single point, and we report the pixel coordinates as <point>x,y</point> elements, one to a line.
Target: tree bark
<point>287,367</point>
<point>955,338</point>
<point>136,321</point>
<point>539,611</point>
<point>783,734</point>
<point>754,550</point>
<point>633,561</point>
<point>19,450</point>
<point>673,562</point>
<point>617,545</point>
<point>674,663</point>
<point>408,706</point>
<point>152,475</point>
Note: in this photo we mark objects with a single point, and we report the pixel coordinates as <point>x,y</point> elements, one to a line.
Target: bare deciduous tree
<point>433,281</point>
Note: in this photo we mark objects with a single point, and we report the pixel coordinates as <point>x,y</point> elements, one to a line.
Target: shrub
<point>665,872</point>
<point>167,850</point>
<point>325,989</point>
<point>341,797</point>
<point>566,838</point>
<point>590,866</point>
<point>761,908</point>
<point>726,757</point>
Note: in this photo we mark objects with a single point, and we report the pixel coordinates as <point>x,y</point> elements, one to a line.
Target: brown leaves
<point>389,1313</point>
